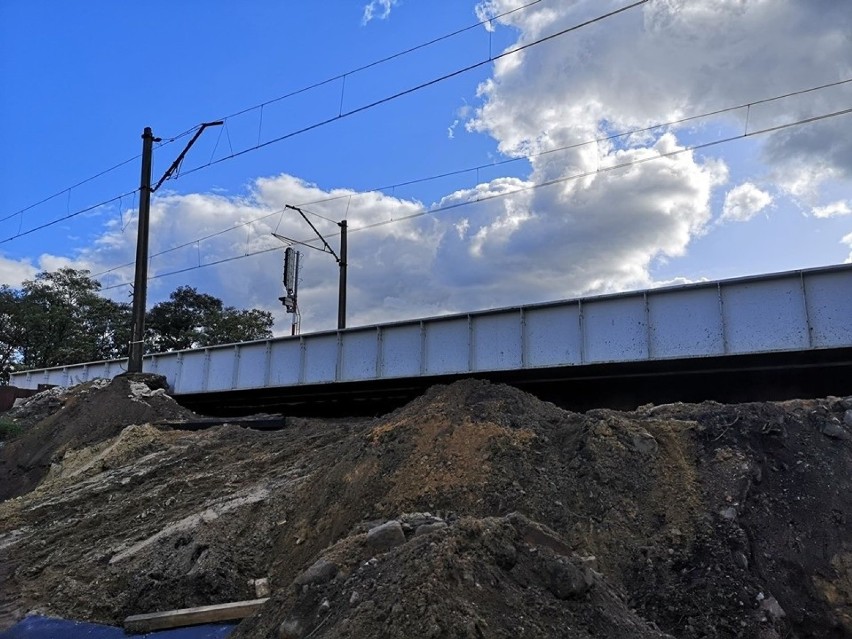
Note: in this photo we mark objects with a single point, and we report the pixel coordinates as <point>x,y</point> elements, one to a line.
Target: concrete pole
<point>140,283</point>
<point>341,299</point>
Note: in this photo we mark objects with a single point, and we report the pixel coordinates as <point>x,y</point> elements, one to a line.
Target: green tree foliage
<point>11,332</point>
<point>60,318</point>
<point>190,319</point>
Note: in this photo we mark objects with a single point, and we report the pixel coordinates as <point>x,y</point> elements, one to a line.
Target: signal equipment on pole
<point>291,286</point>
<point>326,248</point>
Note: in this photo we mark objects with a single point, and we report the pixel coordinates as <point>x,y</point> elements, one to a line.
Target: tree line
<point>60,318</point>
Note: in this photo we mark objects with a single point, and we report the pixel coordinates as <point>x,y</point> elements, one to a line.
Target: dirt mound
<point>492,577</point>
<point>33,409</point>
<point>58,420</point>
<point>705,521</point>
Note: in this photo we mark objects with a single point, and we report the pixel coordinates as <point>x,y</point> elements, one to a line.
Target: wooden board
<point>192,616</point>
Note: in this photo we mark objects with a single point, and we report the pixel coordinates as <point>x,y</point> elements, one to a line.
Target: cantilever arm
<point>183,153</point>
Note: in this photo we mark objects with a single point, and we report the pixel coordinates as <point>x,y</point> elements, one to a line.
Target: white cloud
<point>595,235</point>
<point>14,272</point>
<point>509,243</point>
<point>391,260</point>
<point>743,202</point>
<point>847,240</point>
<point>835,209</point>
<point>377,9</point>
<point>526,245</point>
<point>674,58</point>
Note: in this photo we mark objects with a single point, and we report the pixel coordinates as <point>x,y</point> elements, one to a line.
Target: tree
<point>11,332</point>
<point>59,318</point>
<point>190,319</point>
<point>63,320</point>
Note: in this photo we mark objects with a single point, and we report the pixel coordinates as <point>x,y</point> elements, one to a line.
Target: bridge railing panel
<point>221,364</point>
<point>192,372</point>
<point>320,363</point>
<point>251,365</point>
<point>401,350</point>
<point>762,316</point>
<point>615,329</point>
<point>447,346</point>
<point>285,362</point>
<point>497,341</point>
<point>829,303</point>
<point>359,356</point>
<point>552,336</point>
<point>685,323</point>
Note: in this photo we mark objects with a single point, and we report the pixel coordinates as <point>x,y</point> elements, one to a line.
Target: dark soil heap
<point>475,511</point>
<point>60,421</point>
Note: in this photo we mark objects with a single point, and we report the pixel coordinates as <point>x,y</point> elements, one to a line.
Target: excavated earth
<point>475,511</point>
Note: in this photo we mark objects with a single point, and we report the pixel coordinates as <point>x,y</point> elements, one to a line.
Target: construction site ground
<point>475,511</point>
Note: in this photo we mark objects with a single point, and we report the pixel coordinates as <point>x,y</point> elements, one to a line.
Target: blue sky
<point>80,85</point>
<point>80,81</point>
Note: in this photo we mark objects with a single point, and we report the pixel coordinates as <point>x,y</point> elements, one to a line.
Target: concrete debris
<point>425,529</point>
<point>261,587</point>
<point>320,572</point>
<point>291,629</point>
<point>832,428</point>
<point>772,608</point>
<point>386,536</point>
<point>644,443</point>
<point>569,580</point>
<point>139,389</point>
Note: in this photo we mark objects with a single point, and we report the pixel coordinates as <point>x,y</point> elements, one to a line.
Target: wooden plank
<point>192,616</point>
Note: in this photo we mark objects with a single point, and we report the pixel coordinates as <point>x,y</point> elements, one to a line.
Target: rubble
<point>60,420</point>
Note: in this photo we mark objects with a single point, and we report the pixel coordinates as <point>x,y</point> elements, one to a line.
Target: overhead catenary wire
<point>608,138</point>
<point>539,185</point>
<point>208,237</point>
<point>445,174</point>
<point>574,145</point>
<point>508,52</point>
<point>375,63</point>
<point>604,169</point>
<point>69,189</point>
<point>91,178</point>
<point>279,98</point>
<point>362,108</point>
<point>413,89</point>
<point>69,216</point>
<point>418,180</point>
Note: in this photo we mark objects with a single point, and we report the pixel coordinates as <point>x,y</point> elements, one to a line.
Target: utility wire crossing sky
<point>676,141</point>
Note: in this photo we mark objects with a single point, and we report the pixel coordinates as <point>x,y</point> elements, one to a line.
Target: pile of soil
<point>59,419</point>
<point>475,511</point>
<point>473,577</point>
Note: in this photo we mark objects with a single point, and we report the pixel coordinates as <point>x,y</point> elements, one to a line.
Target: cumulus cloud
<point>667,60</point>
<point>500,243</point>
<point>574,224</point>
<point>14,272</point>
<point>577,236</point>
<point>743,202</point>
<point>835,209</point>
<point>377,9</point>
<point>847,240</point>
<point>388,261</point>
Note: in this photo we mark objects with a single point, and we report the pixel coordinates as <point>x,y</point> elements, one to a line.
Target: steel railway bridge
<point>771,336</point>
